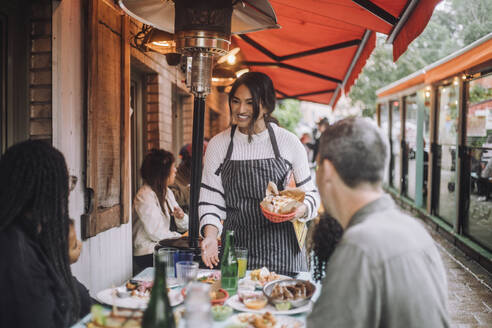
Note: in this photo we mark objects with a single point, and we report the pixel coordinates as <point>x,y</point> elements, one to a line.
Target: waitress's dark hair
<point>327,233</point>
<point>155,171</point>
<point>262,91</point>
<point>34,196</point>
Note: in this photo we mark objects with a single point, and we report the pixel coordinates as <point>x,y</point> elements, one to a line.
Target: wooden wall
<point>106,258</point>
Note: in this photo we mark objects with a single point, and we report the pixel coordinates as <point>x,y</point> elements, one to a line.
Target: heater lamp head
<point>247,15</point>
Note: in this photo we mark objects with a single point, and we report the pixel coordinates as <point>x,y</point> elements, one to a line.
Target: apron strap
<point>172,220</point>
<point>229,150</point>
<point>273,140</point>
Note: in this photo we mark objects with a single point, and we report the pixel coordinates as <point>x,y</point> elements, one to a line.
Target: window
<point>479,160</point>
<point>410,160</point>
<point>395,140</point>
<point>446,155</point>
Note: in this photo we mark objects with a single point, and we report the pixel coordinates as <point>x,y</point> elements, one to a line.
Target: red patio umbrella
<point>323,45</point>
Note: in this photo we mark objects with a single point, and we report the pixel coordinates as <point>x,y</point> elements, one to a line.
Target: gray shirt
<point>386,272</point>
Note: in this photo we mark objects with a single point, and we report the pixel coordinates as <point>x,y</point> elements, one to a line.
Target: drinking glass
<point>242,261</point>
<point>168,253</point>
<point>186,271</point>
<point>180,256</point>
<point>197,304</point>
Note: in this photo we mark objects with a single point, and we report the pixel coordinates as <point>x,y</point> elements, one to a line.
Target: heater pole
<point>196,168</point>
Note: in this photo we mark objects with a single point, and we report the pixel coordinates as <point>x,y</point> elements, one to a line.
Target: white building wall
<point>106,259</point>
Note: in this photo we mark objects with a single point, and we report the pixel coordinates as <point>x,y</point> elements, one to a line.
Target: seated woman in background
<point>37,286</point>
<point>181,185</point>
<point>158,214</point>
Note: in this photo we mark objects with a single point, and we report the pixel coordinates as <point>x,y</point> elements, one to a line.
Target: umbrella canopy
<point>323,45</point>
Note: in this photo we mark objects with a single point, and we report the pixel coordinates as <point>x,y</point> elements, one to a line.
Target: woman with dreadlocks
<point>36,281</point>
<point>158,214</point>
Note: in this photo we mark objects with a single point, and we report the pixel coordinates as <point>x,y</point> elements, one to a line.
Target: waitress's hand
<point>178,213</point>
<point>210,252</point>
<point>210,247</point>
<point>300,212</point>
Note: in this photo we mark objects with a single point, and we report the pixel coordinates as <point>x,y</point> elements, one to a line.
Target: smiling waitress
<point>239,163</point>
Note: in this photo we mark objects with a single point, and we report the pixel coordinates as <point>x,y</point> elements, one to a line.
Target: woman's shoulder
<point>285,135</point>
<point>145,193</point>
<point>220,138</point>
<point>217,146</point>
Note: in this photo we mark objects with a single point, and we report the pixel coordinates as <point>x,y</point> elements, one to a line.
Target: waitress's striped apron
<point>273,245</point>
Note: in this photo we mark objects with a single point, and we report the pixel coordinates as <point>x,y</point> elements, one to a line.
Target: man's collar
<point>378,205</point>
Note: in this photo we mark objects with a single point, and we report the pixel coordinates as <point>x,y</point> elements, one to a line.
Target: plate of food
<point>105,318</point>
<point>287,294</point>
<point>135,295</point>
<point>256,302</point>
<point>208,276</point>
<point>265,320</point>
<point>258,278</point>
<point>120,318</point>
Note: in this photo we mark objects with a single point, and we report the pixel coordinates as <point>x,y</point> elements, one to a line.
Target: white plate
<point>108,296</point>
<point>281,321</point>
<point>236,304</point>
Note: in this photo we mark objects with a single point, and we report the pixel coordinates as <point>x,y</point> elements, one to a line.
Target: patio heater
<point>201,30</point>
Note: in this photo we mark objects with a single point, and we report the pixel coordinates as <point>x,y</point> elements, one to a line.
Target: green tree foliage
<point>288,113</point>
<point>454,24</point>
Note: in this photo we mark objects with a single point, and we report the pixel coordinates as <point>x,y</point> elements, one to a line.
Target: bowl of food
<point>255,303</point>
<point>285,294</point>
<point>219,296</point>
<point>221,312</point>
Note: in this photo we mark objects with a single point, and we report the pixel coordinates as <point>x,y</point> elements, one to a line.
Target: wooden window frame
<point>95,221</point>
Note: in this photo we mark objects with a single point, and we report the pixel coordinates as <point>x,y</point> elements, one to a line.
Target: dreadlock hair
<point>34,195</point>
<point>262,92</point>
<point>326,236</point>
<point>155,171</point>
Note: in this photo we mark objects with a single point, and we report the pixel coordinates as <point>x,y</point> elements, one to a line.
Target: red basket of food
<point>281,206</point>
<point>276,217</point>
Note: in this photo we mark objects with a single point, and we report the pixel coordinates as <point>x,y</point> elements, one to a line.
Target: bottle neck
<point>160,273</point>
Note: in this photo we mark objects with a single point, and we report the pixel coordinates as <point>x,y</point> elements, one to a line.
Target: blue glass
<point>182,256</point>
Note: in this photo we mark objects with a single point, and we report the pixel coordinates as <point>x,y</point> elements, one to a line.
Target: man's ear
<point>328,170</point>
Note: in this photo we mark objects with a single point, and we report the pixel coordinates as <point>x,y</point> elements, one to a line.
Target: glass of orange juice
<point>242,261</point>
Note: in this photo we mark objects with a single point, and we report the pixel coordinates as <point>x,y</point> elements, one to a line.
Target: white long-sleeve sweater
<point>291,149</point>
<point>152,222</point>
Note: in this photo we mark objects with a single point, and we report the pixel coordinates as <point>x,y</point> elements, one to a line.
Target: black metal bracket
<point>292,68</point>
<point>377,11</point>
<point>332,47</point>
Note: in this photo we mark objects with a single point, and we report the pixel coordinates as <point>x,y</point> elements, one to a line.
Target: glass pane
<point>479,143</point>
<point>395,144</point>
<point>385,128</point>
<point>447,137</point>
<point>411,144</point>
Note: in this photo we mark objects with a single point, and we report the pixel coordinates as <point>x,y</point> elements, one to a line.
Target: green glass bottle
<point>159,313</point>
<point>228,265</point>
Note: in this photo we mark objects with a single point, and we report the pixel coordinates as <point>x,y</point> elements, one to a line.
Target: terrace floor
<point>469,287</point>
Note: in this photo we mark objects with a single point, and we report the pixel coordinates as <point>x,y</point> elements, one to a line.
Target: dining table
<point>148,274</point>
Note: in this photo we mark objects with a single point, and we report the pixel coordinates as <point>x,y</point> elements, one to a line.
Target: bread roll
<point>288,207</point>
<point>294,193</point>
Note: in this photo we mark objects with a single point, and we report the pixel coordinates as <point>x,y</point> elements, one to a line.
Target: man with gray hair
<point>386,270</point>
